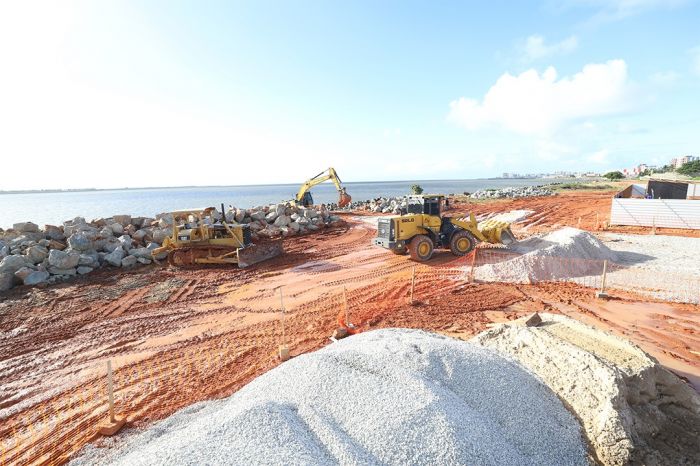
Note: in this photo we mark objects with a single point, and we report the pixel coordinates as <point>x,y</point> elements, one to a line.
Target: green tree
<point>614,176</point>
<point>416,189</point>
<point>690,168</point>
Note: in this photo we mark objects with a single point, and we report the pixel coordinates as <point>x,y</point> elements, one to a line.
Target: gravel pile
<point>513,192</point>
<point>382,397</point>
<point>633,410</point>
<point>567,252</point>
<point>514,216</point>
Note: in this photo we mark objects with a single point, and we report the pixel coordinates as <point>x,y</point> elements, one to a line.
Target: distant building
<point>678,162</point>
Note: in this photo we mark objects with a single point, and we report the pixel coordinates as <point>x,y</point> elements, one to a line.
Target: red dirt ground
<point>179,336</point>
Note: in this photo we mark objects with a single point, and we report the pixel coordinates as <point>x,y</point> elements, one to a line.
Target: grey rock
<point>53,232</point>
<point>126,242</point>
<point>82,270</point>
<point>12,264</point>
<point>159,234</point>
<point>129,261</point>
<point>89,259</point>
<point>144,253</point>
<point>272,216</point>
<point>124,220</point>
<point>62,271</point>
<point>282,221</point>
<point>37,253</point>
<point>116,228</point>
<point>111,244</point>
<point>143,260</point>
<point>7,279</point>
<point>115,257</point>
<point>240,215</point>
<point>36,277</point>
<point>26,227</point>
<point>23,273</point>
<point>63,259</point>
<point>80,242</point>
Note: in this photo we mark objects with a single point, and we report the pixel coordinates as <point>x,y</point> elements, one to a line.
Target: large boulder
<point>26,227</point>
<point>61,271</point>
<point>7,279</point>
<point>159,234</point>
<point>80,242</point>
<point>272,216</point>
<point>53,232</point>
<point>124,220</point>
<point>129,261</point>
<point>63,259</point>
<point>36,277</point>
<point>282,220</point>
<point>141,253</point>
<point>37,253</point>
<point>310,213</point>
<point>12,264</point>
<point>89,259</point>
<point>126,242</point>
<point>83,269</point>
<point>240,215</point>
<point>115,257</point>
<point>258,215</point>
<point>111,244</point>
<point>116,228</point>
<point>23,273</point>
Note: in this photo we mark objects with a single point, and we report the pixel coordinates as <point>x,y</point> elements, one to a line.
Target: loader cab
<point>429,205</point>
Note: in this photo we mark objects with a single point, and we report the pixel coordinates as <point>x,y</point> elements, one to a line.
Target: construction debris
<point>383,397</point>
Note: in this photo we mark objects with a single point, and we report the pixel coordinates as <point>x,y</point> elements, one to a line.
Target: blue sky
<point>156,93</point>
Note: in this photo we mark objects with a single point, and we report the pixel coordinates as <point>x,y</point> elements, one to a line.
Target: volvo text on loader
<point>194,241</point>
<point>423,228</point>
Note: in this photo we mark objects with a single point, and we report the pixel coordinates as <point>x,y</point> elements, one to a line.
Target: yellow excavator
<point>423,228</point>
<point>305,198</point>
<point>194,241</point>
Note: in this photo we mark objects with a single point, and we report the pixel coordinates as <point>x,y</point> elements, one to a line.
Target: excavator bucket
<point>344,200</point>
<point>255,253</point>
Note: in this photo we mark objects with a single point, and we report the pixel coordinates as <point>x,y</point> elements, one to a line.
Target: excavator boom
<point>304,194</point>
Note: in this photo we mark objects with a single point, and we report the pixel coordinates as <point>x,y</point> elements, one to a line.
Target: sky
<point>114,94</point>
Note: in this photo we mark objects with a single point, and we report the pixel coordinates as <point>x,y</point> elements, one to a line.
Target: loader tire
<point>421,248</point>
<point>462,243</point>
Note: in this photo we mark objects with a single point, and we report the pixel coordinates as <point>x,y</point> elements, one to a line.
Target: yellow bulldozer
<point>423,228</point>
<point>305,198</point>
<point>195,241</point>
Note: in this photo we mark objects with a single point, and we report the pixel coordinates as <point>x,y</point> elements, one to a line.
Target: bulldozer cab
<point>429,205</point>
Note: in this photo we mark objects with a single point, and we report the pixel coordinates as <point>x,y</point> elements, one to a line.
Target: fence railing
<point>149,386</point>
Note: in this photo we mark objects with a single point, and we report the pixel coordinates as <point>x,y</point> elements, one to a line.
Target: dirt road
<point>178,336</point>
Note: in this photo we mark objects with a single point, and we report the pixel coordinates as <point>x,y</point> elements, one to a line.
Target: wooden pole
<point>413,282</point>
<point>347,313</point>
<point>605,274</point>
<point>110,389</point>
<point>579,223</point>
<point>283,316</point>
<point>471,272</point>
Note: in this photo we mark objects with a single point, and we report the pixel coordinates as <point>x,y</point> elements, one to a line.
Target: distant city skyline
<point>171,93</point>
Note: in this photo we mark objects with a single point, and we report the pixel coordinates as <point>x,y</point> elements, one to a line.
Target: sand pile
<point>632,409</point>
<point>564,253</point>
<point>382,397</point>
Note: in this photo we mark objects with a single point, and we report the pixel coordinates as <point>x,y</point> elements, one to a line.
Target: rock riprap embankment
<point>513,192</point>
<point>30,255</point>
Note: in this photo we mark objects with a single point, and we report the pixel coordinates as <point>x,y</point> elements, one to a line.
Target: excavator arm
<point>304,196</point>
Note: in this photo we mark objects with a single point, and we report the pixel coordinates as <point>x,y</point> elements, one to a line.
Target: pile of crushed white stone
<point>564,253</point>
<point>382,397</point>
<point>538,391</point>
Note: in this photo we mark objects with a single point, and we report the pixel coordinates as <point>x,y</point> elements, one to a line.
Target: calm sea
<point>54,208</point>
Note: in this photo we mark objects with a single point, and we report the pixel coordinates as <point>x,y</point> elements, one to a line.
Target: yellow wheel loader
<point>423,228</point>
<point>193,241</point>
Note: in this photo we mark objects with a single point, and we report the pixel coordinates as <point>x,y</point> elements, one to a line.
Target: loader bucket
<point>344,200</point>
<point>259,252</point>
<point>496,232</point>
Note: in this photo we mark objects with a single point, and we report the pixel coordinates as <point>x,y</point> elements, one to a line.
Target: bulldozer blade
<point>259,252</point>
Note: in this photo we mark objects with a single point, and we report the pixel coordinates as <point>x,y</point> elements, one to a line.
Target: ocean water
<point>55,208</point>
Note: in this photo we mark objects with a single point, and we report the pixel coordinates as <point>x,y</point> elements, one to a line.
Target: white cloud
<point>664,77</point>
<point>534,103</point>
<point>535,48</point>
